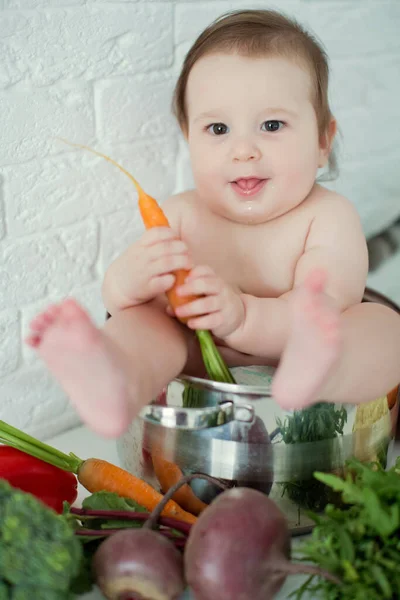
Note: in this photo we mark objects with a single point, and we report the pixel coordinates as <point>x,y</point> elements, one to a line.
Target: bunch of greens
<point>40,555</point>
<point>360,543</point>
<point>322,421</point>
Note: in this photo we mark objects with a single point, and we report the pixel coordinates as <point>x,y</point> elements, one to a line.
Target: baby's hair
<point>258,33</point>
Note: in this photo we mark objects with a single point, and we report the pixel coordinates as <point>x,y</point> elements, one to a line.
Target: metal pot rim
<point>228,388</point>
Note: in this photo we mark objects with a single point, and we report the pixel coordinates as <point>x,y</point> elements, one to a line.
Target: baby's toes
<point>44,319</point>
<point>33,340</point>
<point>70,311</point>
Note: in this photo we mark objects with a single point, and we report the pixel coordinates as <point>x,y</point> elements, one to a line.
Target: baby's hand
<point>145,269</point>
<point>159,253</point>
<point>219,309</point>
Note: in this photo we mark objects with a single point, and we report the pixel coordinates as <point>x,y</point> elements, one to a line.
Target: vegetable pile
<point>239,545</point>
<point>94,474</point>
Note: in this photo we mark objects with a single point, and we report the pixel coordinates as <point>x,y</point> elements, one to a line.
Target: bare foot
<point>312,349</point>
<point>82,360</point>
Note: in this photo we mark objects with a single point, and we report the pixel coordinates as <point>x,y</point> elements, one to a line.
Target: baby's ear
<point>326,141</point>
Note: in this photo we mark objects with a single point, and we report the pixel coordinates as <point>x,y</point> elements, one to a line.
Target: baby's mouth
<point>248,186</point>
<point>248,183</point>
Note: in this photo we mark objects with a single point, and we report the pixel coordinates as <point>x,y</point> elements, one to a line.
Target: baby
<point>279,262</point>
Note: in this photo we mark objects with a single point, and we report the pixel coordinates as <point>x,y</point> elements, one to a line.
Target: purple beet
<point>139,564</point>
<point>240,548</point>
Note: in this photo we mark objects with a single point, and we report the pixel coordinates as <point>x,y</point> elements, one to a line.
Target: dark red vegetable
<point>141,564</point>
<point>240,548</point>
<point>46,482</point>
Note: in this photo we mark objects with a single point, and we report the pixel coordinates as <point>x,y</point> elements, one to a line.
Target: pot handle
<point>197,418</point>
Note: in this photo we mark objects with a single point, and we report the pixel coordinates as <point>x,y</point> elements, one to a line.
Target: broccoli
<point>39,553</point>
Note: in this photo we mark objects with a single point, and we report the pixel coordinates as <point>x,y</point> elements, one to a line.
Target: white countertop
<point>85,444</point>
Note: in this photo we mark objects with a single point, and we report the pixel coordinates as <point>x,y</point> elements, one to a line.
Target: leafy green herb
<point>110,501</point>
<point>322,421</point>
<point>359,543</point>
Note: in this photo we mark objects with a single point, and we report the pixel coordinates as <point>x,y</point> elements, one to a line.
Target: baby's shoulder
<point>178,207</point>
<point>325,203</point>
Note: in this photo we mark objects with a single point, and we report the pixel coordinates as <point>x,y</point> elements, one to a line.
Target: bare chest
<point>258,260</point>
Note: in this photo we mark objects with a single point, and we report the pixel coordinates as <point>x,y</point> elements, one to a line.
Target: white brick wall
<point>101,72</point>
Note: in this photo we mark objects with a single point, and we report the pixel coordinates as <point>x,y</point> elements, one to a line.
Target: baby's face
<point>252,134</point>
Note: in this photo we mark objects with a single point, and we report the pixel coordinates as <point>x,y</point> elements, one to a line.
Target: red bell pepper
<point>49,484</point>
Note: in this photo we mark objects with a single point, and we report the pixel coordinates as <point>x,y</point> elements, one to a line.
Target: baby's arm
<point>336,244</point>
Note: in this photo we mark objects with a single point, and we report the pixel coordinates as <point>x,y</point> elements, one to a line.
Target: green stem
<point>215,365</point>
<point>22,441</point>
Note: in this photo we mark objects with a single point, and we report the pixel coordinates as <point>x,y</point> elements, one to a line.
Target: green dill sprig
<point>322,421</point>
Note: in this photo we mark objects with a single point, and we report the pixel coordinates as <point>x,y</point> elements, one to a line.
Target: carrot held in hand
<point>153,216</point>
<point>94,474</point>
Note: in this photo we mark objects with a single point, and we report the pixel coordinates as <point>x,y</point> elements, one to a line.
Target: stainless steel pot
<point>239,434</point>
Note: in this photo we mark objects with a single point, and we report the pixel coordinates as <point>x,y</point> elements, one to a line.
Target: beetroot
<point>240,548</point>
<point>139,564</point>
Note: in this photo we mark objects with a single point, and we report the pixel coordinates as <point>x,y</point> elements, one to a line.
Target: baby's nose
<point>245,150</point>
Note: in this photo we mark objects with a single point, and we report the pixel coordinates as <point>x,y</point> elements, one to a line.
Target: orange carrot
<point>168,474</point>
<point>94,474</point>
<point>152,216</point>
<point>97,475</point>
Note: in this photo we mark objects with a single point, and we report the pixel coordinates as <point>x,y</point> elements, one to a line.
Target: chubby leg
<point>350,357</point>
<point>369,362</point>
<point>110,374</point>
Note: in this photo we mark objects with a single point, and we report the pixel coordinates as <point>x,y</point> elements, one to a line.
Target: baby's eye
<point>272,126</point>
<point>218,128</point>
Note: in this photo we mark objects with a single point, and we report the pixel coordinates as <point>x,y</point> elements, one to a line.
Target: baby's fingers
<point>202,306</point>
<point>161,284</point>
<point>156,235</point>
<point>201,286</point>
<point>168,264</point>
<point>209,322</point>
<point>166,248</point>
<point>201,271</point>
